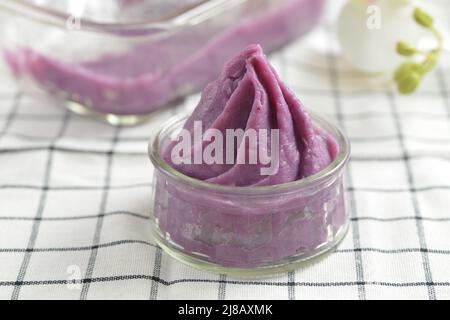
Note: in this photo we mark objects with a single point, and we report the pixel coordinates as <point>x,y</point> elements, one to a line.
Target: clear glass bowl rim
<point>193,15</point>
<point>328,172</point>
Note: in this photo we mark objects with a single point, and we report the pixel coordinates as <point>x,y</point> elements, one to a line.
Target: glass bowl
<point>248,230</point>
<point>119,60</point>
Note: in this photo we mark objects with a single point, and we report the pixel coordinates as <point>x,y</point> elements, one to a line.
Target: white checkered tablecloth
<point>75,196</point>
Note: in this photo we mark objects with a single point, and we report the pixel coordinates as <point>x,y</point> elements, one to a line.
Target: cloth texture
<point>75,195</point>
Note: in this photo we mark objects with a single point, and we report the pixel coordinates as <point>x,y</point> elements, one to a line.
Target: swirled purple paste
<point>250,95</point>
<point>240,230</point>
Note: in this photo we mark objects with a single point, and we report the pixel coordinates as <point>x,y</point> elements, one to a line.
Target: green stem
<point>408,78</point>
<point>440,41</point>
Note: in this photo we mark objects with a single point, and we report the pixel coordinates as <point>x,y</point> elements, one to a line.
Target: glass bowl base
<point>111,118</point>
<point>286,265</point>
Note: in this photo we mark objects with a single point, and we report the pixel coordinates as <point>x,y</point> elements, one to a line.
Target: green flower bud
<point>405,49</point>
<point>423,18</point>
<point>409,74</point>
<point>405,69</point>
<point>409,83</point>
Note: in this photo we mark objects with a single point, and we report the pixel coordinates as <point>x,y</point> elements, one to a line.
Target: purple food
<point>250,95</point>
<point>152,74</point>
<point>252,230</point>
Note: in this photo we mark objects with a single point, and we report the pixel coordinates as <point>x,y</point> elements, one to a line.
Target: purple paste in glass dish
<point>127,58</point>
<point>228,217</point>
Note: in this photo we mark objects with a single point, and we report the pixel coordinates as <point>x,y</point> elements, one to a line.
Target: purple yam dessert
<point>238,229</point>
<point>250,95</point>
<point>153,73</point>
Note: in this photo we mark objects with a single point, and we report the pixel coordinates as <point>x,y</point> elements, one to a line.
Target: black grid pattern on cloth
<point>77,192</point>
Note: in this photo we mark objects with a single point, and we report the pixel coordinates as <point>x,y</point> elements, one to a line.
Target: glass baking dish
<point>119,60</point>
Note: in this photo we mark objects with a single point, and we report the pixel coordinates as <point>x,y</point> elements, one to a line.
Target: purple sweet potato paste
<point>250,95</point>
<point>242,230</point>
<point>151,74</point>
